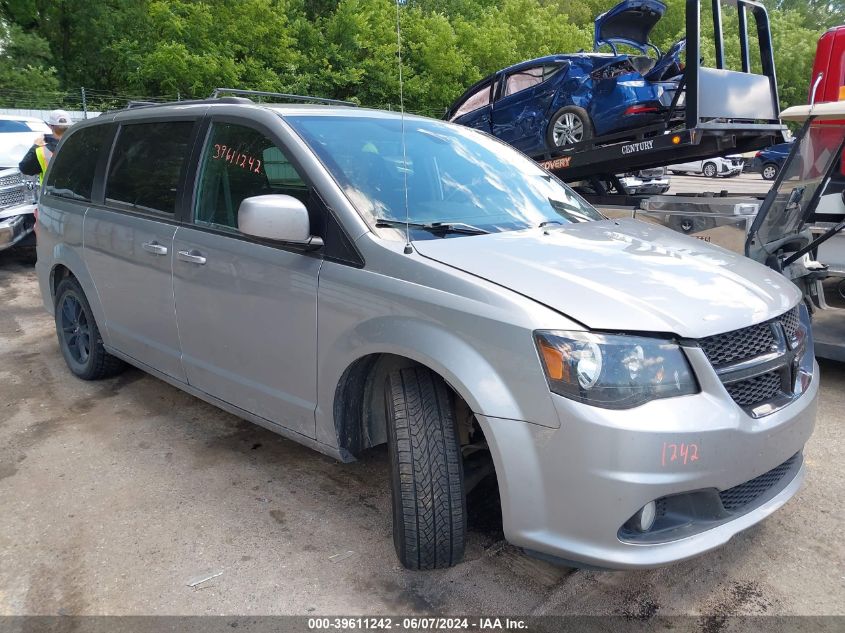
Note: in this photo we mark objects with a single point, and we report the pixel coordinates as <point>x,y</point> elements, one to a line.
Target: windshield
<point>454,175</point>
<point>803,174</point>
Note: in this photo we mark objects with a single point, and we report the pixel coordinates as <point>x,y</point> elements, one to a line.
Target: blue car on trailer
<point>562,100</point>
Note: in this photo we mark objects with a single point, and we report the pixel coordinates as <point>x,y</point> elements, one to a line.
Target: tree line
<point>343,49</point>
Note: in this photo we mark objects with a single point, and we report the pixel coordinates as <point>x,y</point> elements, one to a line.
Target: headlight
<point>613,371</point>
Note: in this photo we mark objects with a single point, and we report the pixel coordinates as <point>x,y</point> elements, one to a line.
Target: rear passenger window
<point>146,165</point>
<point>239,162</point>
<point>72,168</point>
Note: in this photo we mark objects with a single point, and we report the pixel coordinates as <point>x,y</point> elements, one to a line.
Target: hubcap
<point>76,333</point>
<point>568,130</point>
<point>769,172</point>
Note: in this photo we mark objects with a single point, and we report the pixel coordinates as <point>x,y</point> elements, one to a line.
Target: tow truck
<point>725,112</point>
<point>797,229</point>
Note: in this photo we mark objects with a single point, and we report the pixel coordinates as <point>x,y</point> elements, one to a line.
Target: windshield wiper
<point>433,227</point>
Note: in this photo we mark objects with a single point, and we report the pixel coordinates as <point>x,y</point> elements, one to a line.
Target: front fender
<point>461,366</point>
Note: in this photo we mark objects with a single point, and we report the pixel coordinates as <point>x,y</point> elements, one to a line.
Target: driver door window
<point>240,162</point>
<point>478,99</point>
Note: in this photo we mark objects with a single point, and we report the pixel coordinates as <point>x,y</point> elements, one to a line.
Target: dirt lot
<point>115,495</point>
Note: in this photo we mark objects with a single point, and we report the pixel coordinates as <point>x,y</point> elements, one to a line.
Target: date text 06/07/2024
<point>416,624</point>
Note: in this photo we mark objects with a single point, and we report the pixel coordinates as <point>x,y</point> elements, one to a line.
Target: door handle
<point>192,257</point>
<point>154,247</point>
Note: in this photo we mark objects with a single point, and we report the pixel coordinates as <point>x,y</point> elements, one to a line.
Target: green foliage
<point>25,66</point>
<point>337,48</point>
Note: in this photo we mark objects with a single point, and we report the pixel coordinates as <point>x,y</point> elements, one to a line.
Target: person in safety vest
<point>35,161</point>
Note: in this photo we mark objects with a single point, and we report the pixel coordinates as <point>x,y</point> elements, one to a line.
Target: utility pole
<point>84,103</point>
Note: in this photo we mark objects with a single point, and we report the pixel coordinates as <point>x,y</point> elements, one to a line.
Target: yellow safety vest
<point>43,155</point>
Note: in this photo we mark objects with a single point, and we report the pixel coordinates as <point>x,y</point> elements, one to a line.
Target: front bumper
<point>15,229</point>
<point>650,187</point>
<point>567,492</point>
<point>730,170</point>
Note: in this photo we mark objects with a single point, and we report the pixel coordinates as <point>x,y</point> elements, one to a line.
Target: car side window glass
<point>7,125</point>
<point>239,162</point>
<point>478,99</point>
<point>72,169</point>
<point>523,80</point>
<point>147,163</point>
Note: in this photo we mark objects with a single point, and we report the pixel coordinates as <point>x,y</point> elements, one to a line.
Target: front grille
<point>755,390</point>
<point>14,178</point>
<point>723,349</point>
<point>790,322</point>
<point>12,197</point>
<point>13,189</point>
<point>737,498</point>
<point>741,346</point>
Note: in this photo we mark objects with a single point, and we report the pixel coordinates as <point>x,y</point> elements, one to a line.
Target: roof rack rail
<point>141,104</point>
<point>279,95</point>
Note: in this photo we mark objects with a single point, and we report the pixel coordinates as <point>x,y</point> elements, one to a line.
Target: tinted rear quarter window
<point>146,165</point>
<point>72,167</point>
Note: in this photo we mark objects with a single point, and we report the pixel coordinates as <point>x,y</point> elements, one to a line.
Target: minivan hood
<point>624,276</point>
<point>629,22</point>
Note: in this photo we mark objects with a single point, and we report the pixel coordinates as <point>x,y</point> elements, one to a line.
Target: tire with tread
<point>427,482</point>
<point>770,171</point>
<point>99,363</point>
<point>710,170</point>
<point>587,131</point>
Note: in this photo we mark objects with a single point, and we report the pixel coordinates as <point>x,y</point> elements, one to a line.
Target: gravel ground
<point>115,495</point>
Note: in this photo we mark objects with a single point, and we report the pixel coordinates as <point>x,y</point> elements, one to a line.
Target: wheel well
<point>58,273</point>
<point>359,415</point>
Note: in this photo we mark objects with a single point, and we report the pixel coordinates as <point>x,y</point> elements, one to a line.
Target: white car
<point>711,167</point>
<point>17,135</point>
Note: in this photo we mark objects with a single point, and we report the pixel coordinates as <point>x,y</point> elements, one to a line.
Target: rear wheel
<point>569,126</point>
<point>710,170</point>
<point>770,171</point>
<point>429,504</point>
<point>79,336</point>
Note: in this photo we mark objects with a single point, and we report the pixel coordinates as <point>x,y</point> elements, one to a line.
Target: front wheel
<point>79,336</point>
<point>770,171</point>
<point>710,170</point>
<point>427,482</point>
<point>569,126</point>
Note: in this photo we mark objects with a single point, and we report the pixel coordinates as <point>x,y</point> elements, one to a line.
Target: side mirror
<point>277,217</point>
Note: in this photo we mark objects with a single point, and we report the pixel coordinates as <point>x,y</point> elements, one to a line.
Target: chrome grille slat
<point>13,189</point>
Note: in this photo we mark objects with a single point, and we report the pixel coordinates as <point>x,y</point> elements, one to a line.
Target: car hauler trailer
<point>725,112</point>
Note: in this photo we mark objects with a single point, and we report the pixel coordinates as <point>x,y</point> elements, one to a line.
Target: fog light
<point>643,520</point>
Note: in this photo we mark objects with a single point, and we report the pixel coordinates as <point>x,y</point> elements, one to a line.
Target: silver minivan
<point>349,278</point>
